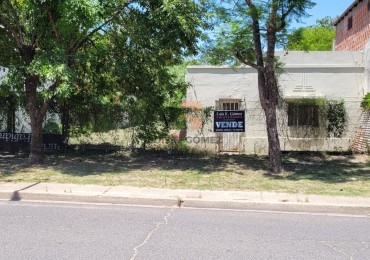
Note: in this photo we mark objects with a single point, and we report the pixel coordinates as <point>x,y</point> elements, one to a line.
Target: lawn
<point>304,173</point>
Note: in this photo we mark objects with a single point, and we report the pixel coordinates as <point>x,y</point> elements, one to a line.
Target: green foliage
<point>52,127</point>
<point>336,117</point>
<point>232,30</point>
<point>365,104</point>
<point>311,39</point>
<point>327,21</point>
<point>314,38</point>
<point>114,63</point>
<point>206,115</point>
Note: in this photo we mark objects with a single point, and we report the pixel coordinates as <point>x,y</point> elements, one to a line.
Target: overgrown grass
<point>308,174</point>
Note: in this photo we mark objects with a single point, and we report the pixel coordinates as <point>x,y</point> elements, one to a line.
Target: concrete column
<point>367,67</point>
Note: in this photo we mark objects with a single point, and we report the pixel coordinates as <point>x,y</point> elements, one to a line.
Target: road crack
<point>147,238</point>
<point>336,249</point>
<point>364,245</point>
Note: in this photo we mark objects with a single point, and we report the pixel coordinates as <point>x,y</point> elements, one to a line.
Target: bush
<point>365,104</point>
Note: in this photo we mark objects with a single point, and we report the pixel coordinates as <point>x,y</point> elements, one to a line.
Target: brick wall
<point>356,38</point>
<point>362,139</point>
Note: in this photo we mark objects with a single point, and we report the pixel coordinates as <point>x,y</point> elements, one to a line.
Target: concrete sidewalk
<point>184,198</point>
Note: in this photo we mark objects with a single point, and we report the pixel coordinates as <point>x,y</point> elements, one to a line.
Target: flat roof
<point>311,59</point>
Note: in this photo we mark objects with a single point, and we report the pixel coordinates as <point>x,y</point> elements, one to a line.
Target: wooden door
<point>229,142</point>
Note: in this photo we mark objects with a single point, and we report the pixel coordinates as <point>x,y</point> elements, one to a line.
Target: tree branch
<point>256,33</point>
<point>239,56</point>
<point>284,15</point>
<point>13,30</point>
<point>16,20</point>
<point>81,42</point>
<point>45,105</point>
<point>52,22</point>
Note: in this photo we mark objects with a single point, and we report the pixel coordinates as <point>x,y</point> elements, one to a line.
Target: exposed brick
<point>356,38</point>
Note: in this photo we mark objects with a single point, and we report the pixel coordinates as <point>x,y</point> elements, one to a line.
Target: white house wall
<point>331,75</point>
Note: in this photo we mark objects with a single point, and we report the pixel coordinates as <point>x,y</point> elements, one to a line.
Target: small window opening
<point>230,104</point>
<point>350,23</point>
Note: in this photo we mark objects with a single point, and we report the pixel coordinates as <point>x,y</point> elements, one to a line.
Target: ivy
<point>332,113</point>
<point>365,104</point>
<point>336,117</point>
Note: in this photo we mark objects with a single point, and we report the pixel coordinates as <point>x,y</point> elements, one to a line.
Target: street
<point>96,231</point>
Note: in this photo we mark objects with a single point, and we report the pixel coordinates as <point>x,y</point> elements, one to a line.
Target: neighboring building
<point>307,76</point>
<point>353,27</point>
<point>21,119</point>
<point>3,72</point>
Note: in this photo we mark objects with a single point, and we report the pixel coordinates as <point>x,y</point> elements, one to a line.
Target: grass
<point>307,174</point>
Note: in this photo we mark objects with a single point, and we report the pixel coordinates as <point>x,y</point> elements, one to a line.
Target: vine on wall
<point>365,104</point>
<point>336,117</point>
<point>332,115</point>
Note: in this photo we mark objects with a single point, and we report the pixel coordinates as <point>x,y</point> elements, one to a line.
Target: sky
<point>332,8</point>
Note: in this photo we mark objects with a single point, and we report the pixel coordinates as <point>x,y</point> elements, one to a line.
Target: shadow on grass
<point>93,163</point>
<point>329,169</point>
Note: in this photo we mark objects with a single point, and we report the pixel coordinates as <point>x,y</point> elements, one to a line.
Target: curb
<point>188,203</point>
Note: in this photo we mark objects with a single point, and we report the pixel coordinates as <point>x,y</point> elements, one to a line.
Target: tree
<point>249,31</point>
<point>313,38</point>
<point>53,40</point>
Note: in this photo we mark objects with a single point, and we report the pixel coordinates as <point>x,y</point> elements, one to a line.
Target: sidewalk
<point>184,198</point>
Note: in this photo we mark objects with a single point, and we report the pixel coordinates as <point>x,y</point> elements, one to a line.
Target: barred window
<point>303,114</point>
<point>229,104</point>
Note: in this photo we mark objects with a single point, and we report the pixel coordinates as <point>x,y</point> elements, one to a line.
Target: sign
<point>229,121</point>
<point>12,142</point>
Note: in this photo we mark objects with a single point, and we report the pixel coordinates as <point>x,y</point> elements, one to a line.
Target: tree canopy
<point>81,53</point>
<point>319,37</point>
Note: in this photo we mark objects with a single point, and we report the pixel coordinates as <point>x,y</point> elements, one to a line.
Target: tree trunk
<point>36,155</point>
<point>273,139</point>
<point>268,93</point>
<point>37,114</point>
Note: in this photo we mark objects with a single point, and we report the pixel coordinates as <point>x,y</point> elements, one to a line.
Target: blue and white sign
<point>225,121</point>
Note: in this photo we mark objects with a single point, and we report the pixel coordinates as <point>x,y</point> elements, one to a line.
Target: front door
<point>229,142</point>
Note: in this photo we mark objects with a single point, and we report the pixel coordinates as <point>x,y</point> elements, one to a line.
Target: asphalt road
<point>74,231</point>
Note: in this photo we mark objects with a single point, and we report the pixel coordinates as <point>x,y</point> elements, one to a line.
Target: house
<point>310,81</point>
<point>353,27</point>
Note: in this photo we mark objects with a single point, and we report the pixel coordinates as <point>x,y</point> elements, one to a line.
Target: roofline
<point>347,11</point>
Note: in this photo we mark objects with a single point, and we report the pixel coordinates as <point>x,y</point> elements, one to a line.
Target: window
<point>349,23</point>
<point>368,5</point>
<point>303,114</point>
<point>229,104</point>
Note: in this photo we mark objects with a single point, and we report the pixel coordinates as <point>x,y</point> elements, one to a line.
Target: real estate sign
<point>225,121</point>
